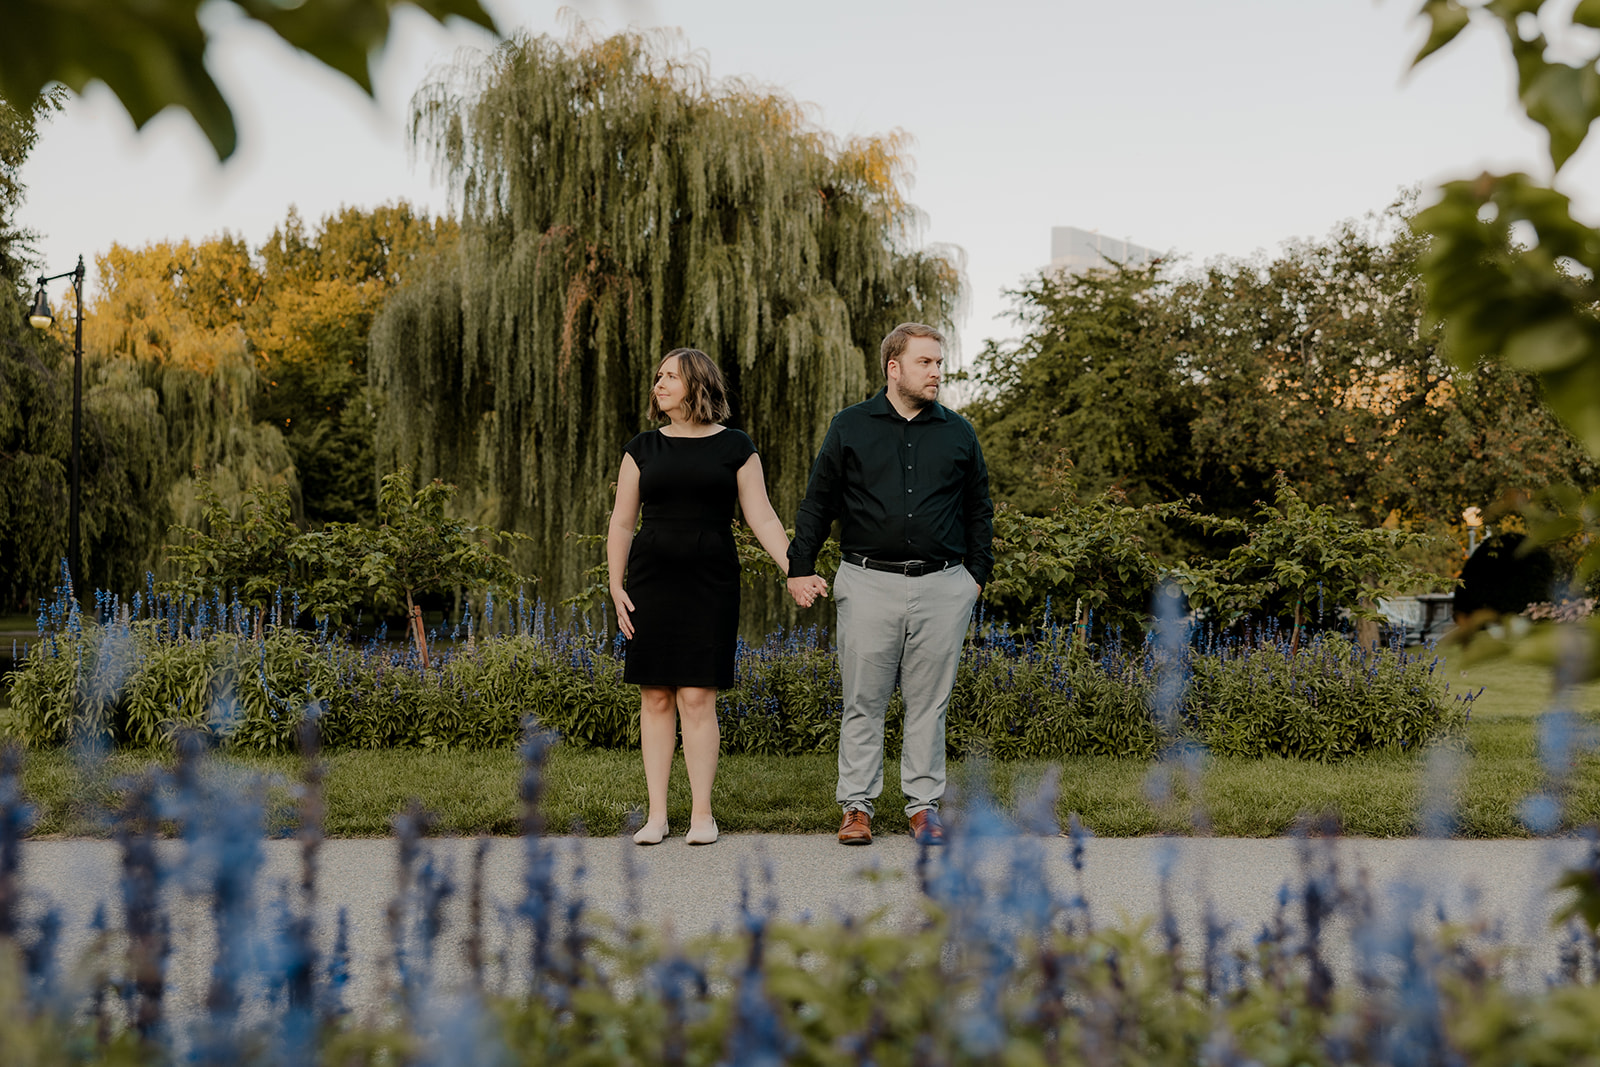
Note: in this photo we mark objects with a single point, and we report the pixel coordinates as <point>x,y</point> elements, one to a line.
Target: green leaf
<point>1551,345</point>
<point>1447,18</point>
<point>1510,9</point>
<point>1564,100</point>
<point>151,53</point>
<point>1587,13</point>
<point>1585,903</point>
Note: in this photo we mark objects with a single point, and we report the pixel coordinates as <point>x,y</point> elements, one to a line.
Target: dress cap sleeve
<point>740,445</point>
<point>635,447</point>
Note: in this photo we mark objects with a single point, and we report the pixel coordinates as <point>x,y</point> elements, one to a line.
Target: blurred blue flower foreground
<point>1017,968</point>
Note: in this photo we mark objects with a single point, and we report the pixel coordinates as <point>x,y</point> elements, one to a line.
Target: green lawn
<point>595,791</point>
<point>1512,687</point>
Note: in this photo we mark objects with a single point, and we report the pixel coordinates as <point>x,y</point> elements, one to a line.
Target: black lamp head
<point>40,317</point>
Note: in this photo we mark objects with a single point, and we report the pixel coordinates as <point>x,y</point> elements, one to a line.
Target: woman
<point>679,607</point>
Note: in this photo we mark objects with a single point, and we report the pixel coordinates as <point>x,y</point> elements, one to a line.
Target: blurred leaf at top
<point>150,53</point>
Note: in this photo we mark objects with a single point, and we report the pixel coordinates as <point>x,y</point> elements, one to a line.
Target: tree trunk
<point>414,613</point>
<point>1367,631</point>
<point>1294,638</point>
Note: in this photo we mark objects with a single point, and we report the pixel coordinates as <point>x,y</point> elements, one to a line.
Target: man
<point>906,480</point>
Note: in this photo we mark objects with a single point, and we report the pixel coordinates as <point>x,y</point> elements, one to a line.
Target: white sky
<point>1208,129</point>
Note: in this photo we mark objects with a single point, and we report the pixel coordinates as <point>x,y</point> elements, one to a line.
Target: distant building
<point>1073,251</point>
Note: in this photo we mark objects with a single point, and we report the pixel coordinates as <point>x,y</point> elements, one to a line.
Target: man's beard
<point>912,400</point>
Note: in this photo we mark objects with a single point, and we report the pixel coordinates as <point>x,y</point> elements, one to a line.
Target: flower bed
<point>136,675</point>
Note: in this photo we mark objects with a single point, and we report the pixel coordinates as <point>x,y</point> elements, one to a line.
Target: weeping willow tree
<point>617,202</point>
<point>170,389</point>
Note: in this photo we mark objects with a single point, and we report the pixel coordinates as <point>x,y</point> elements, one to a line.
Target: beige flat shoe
<point>702,834</point>
<point>650,833</point>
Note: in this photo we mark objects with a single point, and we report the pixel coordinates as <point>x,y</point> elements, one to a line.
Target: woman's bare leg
<point>658,736</point>
<point>697,709</point>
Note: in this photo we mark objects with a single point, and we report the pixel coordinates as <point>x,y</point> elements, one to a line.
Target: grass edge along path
<point>589,791</point>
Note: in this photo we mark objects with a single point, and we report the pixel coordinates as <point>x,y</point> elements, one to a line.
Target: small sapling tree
<point>417,548</point>
<point>253,555</point>
<point>1088,556</point>
<point>1295,556</point>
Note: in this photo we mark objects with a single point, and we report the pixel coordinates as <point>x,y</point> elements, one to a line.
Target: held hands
<point>806,590</point>
<point>619,597</point>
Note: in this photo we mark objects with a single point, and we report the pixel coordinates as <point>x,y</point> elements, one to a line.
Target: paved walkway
<point>694,890</point>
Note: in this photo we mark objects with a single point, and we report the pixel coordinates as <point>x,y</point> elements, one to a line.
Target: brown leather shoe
<point>856,828</point>
<point>926,827</point>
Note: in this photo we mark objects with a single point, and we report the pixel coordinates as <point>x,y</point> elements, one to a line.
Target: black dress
<point>683,569</point>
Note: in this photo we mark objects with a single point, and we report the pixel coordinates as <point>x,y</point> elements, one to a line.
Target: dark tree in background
<point>35,392</point>
<point>124,461</point>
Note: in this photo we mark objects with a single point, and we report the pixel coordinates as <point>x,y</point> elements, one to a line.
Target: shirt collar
<point>879,405</point>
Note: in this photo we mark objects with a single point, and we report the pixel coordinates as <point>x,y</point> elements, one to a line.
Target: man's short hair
<point>705,397</point>
<point>895,344</point>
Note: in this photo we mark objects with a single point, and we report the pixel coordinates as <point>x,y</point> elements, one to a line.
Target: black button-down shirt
<point>901,489</point>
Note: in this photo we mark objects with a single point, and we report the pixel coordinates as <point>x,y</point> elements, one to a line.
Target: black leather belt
<point>913,568</point>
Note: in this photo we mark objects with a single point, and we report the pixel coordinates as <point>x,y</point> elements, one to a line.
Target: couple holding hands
<point>906,480</point>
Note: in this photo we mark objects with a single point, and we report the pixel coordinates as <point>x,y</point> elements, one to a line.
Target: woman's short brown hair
<point>895,344</point>
<point>705,398</point>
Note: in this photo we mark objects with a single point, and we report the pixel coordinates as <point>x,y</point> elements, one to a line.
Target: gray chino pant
<point>915,627</point>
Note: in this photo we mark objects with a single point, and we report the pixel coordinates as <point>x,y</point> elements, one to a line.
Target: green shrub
<point>136,683</point>
<point>1325,702</point>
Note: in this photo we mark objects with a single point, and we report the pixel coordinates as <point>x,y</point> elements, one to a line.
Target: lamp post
<point>40,318</point>
<point>1473,517</point>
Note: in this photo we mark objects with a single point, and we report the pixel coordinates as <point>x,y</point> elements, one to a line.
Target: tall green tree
<point>32,440</point>
<point>1093,378</point>
<point>1317,363</point>
<point>19,132</point>
<point>616,202</point>
<point>127,456</point>
<point>35,414</point>
<point>1320,364</point>
<point>168,354</point>
<point>308,332</point>
<point>35,392</point>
